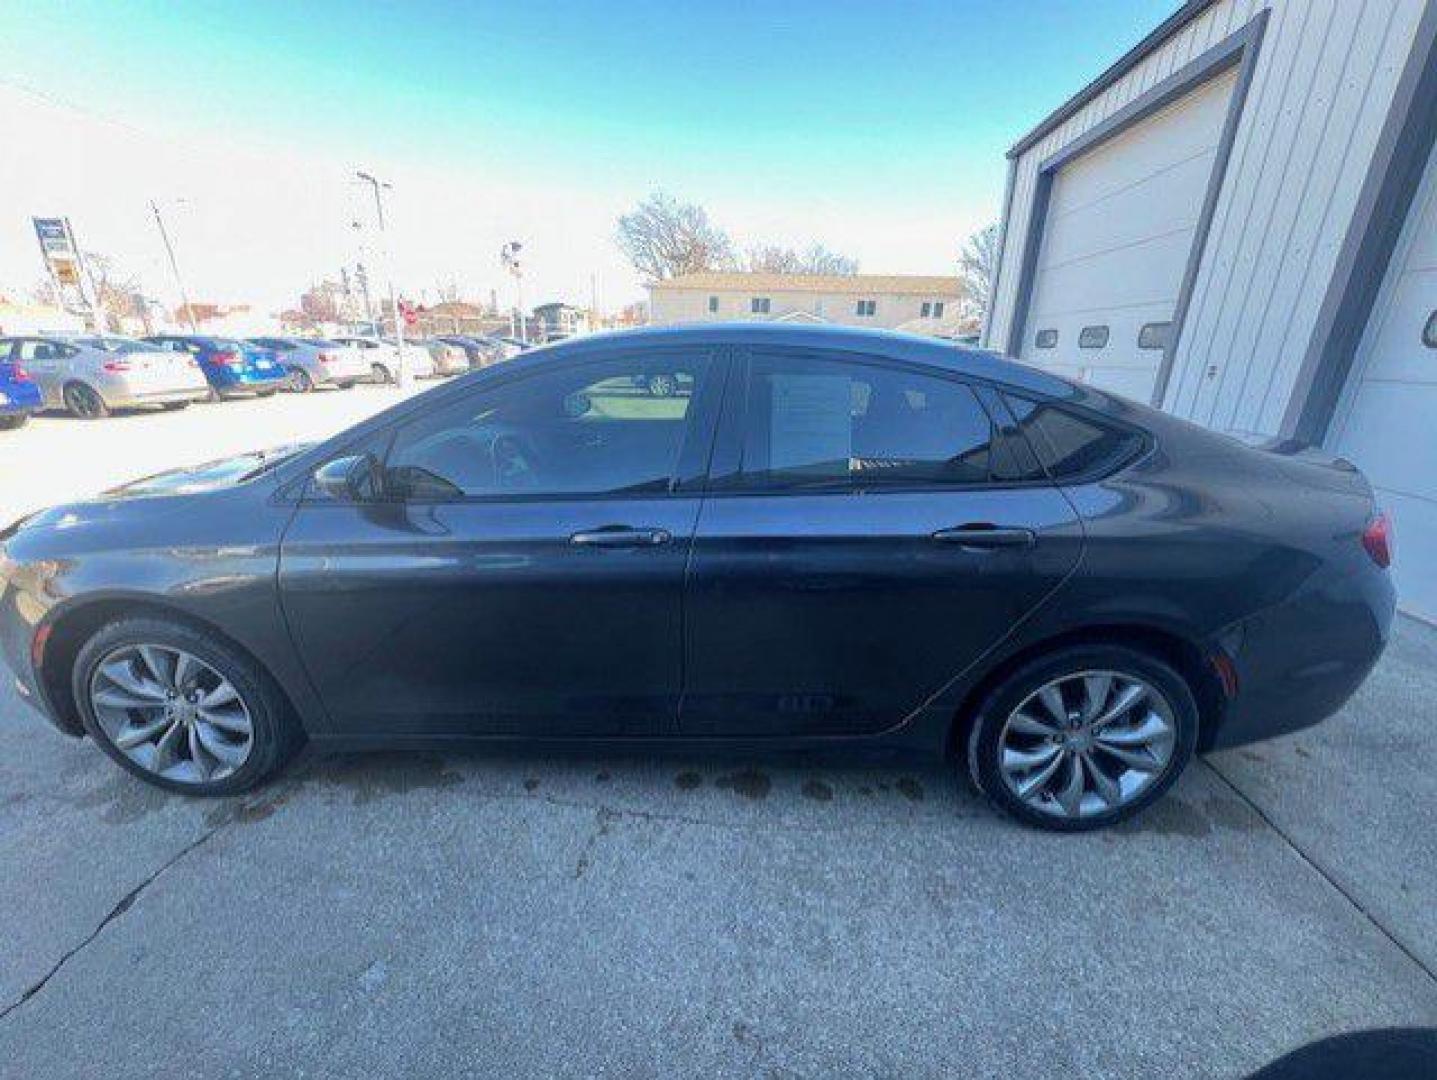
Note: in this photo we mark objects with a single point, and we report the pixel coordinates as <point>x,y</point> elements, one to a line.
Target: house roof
<point>873,284</point>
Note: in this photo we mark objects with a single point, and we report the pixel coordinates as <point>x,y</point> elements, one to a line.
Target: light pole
<point>174,266</point>
<point>377,186</point>
<point>509,256</point>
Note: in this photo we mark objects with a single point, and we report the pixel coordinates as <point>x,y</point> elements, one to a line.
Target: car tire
<point>345,385</point>
<point>13,421</point>
<point>84,402</point>
<point>266,393</point>
<point>299,381</point>
<point>273,733</point>
<point>1118,766</point>
<point>381,374</point>
<point>174,406</point>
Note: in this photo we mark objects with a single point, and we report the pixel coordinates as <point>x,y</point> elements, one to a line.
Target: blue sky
<point>839,105</point>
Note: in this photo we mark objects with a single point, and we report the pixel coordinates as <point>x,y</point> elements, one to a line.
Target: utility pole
<point>174,267</point>
<point>377,186</point>
<point>509,256</point>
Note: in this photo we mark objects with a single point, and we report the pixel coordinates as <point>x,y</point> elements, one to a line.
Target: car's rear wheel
<point>298,381</point>
<point>13,421</point>
<point>1084,737</point>
<point>84,402</point>
<point>380,374</point>
<point>181,708</point>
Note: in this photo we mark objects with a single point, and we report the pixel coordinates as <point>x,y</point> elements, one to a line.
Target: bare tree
<point>775,259</point>
<point>977,263</point>
<point>665,238</point>
<point>120,293</point>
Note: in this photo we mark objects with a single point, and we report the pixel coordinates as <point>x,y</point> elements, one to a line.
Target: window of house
<point>1429,332</point>
<point>760,305</point>
<point>866,308</point>
<point>1093,337</point>
<point>938,309</point>
<point>927,311</point>
<point>713,304</point>
<point>591,429</point>
<point>1046,339</point>
<point>1155,335</point>
<point>833,423</point>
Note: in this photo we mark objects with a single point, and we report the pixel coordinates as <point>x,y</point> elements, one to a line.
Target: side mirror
<point>354,478</point>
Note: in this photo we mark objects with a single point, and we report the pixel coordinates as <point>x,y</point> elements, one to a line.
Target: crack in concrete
<point>125,903</point>
<point>1322,872</point>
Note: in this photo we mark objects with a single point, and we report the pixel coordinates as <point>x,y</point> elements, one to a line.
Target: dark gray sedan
<point>820,539</point>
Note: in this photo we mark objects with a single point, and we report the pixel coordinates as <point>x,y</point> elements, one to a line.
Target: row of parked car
<point>88,376</point>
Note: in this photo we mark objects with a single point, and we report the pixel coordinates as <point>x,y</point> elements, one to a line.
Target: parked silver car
<point>90,375</point>
<point>382,355</point>
<point>449,359</point>
<point>315,362</point>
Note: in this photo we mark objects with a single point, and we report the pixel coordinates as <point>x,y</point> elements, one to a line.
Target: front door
<point>522,573</point>
<point>868,535</point>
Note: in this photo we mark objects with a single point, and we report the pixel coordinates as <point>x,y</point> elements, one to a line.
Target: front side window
<point>866,308</point>
<point>1093,337</point>
<point>608,428</point>
<point>833,423</point>
<point>760,305</point>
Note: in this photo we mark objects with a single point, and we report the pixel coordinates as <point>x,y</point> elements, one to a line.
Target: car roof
<point>883,344</point>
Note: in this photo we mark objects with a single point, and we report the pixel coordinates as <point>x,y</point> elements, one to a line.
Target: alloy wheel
<point>171,713</point>
<point>1087,743</point>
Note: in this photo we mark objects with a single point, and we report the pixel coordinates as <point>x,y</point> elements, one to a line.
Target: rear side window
<point>816,422</point>
<point>1093,337</point>
<point>1046,339</point>
<point>1072,446</point>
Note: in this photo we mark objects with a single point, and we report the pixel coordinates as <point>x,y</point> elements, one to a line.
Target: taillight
<point>19,374</point>
<point>229,359</point>
<point>1377,540</point>
<point>116,365</point>
<point>328,357</point>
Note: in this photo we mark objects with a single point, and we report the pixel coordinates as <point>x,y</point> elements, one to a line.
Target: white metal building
<point>1237,221</point>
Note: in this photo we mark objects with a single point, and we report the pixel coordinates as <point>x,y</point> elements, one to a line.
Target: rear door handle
<point>986,536</point>
<point>621,536</point>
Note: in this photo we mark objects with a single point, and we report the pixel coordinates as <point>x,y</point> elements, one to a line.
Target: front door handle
<point>986,536</point>
<point>621,536</point>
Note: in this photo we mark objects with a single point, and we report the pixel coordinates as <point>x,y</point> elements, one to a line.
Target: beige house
<point>884,301</point>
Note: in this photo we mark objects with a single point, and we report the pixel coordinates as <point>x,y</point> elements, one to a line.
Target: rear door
<point>524,573</point>
<point>868,534</point>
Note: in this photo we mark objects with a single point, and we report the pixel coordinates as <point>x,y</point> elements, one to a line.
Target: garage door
<point>1387,420</point>
<point>1119,228</point>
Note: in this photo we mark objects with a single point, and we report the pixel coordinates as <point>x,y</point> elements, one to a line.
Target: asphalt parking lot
<point>423,914</point>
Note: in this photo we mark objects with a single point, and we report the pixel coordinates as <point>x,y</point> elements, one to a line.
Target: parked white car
<point>382,355</point>
<point>90,375</point>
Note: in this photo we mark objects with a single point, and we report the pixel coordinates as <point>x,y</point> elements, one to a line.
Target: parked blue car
<point>19,396</point>
<point>232,367</point>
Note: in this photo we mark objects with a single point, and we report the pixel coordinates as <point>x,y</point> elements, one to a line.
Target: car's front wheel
<point>181,708</point>
<point>298,381</point>
<point>1084,737</point>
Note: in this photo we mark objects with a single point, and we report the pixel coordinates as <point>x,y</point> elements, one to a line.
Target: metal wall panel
<point>1322,87</point>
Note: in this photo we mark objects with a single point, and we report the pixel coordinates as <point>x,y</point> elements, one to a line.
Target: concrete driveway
<point>416,915</point>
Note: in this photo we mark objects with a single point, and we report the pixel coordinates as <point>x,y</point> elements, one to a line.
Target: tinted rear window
<point>1072,445</point>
